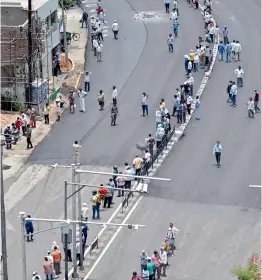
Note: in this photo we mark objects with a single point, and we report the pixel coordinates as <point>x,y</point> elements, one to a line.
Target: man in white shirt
<point>82,94</point>
<point>233,50</point>
<point>251,108</point>
<point>114,95</point>
<point>147,160</point>
<point>87,81</point>
<point>99,52</point>
<point>115,29</point>
<point>170,43</point>
<point>233,93</point>
<point>240,75</point>
<point>207,18</point>
<point>196,62</point>
<point>238,50</point>
<point>84,211</point>
<point>95,45</point>
<point>173,15</point>
<point>163,261</point>
<point>216,34</point>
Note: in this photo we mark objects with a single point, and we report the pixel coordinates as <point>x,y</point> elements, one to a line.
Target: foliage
<point>251,272</point>
<point>9,103</point>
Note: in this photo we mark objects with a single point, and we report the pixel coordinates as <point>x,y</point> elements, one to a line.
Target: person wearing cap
<point>87,81</point>
<point>115,29</point>
<point>150,268</point>
<point>143,260</point>
<point>137,164</point>
<point>128,180</point>
<point>163,261</point>
<point>82,94</point>
<point>84,211</point>
<point>96,202</point>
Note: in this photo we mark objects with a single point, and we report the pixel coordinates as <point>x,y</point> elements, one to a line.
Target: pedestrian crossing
<point>90,7</point>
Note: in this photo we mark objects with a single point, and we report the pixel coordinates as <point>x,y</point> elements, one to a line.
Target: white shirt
<point>87,78</point>
<point>212,30</point>
<point>82,94</point>
<point>173,15</point>
<point>207,18</point>
<point>217,31</point>
<point>163,256</point>
<point>147,157</point>
<point>158,116</point>
<point>233,45</point>
<point>114,94</point>
<point>191,80</point>
<point>50,259</point>
<point>233,90</point>
<point>196,58</point>
<point>239,73</point>
<point>99,48</point>
<point>250,105</point>
<point>189,66</point>
<point>115,26</point>
<point>95,43</point>
<point>238,48</point>
<point>84,211</point>
<point>189,100</point>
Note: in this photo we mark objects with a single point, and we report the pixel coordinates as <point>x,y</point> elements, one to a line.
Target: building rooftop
<point>23,3</point>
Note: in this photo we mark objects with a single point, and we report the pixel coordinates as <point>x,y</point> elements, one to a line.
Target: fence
<point>145,168</point>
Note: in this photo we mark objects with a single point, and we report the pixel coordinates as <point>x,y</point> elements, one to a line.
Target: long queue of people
<point>152,268</point>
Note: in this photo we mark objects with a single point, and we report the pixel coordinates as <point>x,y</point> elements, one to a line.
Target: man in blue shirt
<point>29,229</point>
<point>167,4</point>
<point>217,152</point>
<point>221,50</point>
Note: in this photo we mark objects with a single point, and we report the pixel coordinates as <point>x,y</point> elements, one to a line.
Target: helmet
<point>34,273</point>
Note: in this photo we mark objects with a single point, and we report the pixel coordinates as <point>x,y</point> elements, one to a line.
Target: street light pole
<point>66,235</point>
<point>22,218</point>
<point>78,179</point>
<point>64,32</point>
<point>74,225</point>
<point>3,222</point>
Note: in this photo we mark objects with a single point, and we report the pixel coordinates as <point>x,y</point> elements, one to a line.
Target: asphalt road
<point>217,214</point>
<point>137,62</point>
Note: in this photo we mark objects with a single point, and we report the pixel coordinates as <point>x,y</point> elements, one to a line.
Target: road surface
<point>217,214</point>
<point>137,62</point>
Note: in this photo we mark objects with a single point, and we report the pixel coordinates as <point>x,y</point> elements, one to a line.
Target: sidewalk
<point>15,158</point>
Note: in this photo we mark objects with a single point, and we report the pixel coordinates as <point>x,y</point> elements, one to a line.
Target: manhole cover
<point>6,167</point>
<point>148,16</point>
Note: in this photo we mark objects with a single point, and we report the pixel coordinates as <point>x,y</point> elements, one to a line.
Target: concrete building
<point>14,49</point>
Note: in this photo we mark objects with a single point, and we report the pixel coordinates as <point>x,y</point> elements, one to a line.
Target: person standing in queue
<point>217,150</point>
<point>95,205</point>
<point>151,268</point>
<point>137,164</point>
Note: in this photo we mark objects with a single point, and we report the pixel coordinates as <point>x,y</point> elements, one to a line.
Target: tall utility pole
<point>30,52</point>
<point>3,222</point>
<point>64,32</point>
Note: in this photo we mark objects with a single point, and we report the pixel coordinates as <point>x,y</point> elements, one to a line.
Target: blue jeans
<point>228,57</point>
<point>196,65</point>
<point>221,56</point>
<point>86,23</point>
<point>49,276</point>
<point>145,110</point>
<point>176,32</point>
<point>198,113</point>
<point>239,82</point>
<point>234,99</point>
<point>96,210</point>
<point>170,47</point>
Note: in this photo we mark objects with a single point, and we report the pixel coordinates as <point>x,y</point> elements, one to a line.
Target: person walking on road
<point>229,91</point>
<point>28,137</point>
<point>197,106</point>
<point>144,104</point>
<point>233,92</point>
<point>221,50</point>
<point>240,76</point>
<point>29,228</point>
<point>84,19</point>
<point>101,100</point>
<point>46,113</point>
<point>163,261</point>
<point>76,152</point>
<point>95,45</point>
<point>99,52</point>
<point>137,164</point>
<point>71,99</point>
<point>57,257</point>
<point>228,52</point>
<point>96,202</point>
<point>225,35</point>
<point>143,260</point>
<point>217,150</point>
<point>47,269</point>
<point>82,94</point>
<point>170,43</point>
<point>167,5</point>
<point>151,268</point>
<point>114,95</point>
<point>171,234</point>
<point>115,29</point>
<point>87,81</point>
<point>256,101</point>
<point>251,108</point>
<point>238,50</point>
<point>156,260</point>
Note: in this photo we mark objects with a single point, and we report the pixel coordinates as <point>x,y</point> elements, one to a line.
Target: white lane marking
<point>112,239</point>
<point>255,186</point>
<point>90,5</point>
<point>26,182</point>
